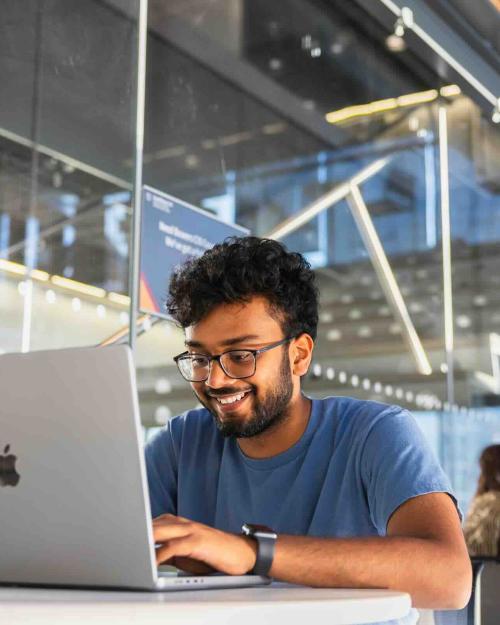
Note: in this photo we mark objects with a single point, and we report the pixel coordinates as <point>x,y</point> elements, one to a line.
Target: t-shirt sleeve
<point>161,468</point>
<point>398,464</point>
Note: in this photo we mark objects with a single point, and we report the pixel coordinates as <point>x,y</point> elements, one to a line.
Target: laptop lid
<point>74,505</point>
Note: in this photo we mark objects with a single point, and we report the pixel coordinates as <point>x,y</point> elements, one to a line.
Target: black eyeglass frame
<point>217,357</point>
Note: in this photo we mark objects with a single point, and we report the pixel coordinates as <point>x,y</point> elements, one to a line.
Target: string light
<point>424,401</point>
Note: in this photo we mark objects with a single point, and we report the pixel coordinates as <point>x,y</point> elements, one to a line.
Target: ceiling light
<point>381,106</point>
<point>50,296</point>
<point>413,123</point>
<point>377,387</point>
<point>73,285</point>
<point>275,64</point>
<point>76,304</point>
<point>37,274</point>
<point>163,386</point>
<point>101,311</point>
<point>495,116</point>
<point>355,380</point>
<point>346,298</point>
<point>421,97</point>
<point>274,129</point>
<point>162,415</point>
<point>395,43</point>
<point>342,377</point>
<point>450,91</point>
<point>326,317</point>
<point>334,335</point>
<point>394,328</point>
<point>463,321</point>
<point>317,370</point>
<point>306,42</point>
<point>355,313</point>
<point>365,332</point>
<point>366,384</point>
<point>191,161</point>
<point>22,288</point>
<point>480,300</point>
<point>330,373</point>
<point>8,265</point>
<point>118,298</point>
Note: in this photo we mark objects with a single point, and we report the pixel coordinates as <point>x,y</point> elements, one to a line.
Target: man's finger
<point>169,518</point>
<point>163,533</point>
<point>176,547</point>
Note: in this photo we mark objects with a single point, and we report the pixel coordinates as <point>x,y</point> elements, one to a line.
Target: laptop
<point>74,503</point>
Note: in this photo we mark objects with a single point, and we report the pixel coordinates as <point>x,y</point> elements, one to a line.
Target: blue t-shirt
<point>355,464</point>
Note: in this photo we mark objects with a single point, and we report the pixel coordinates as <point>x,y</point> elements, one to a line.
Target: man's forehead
<point>229,323</point>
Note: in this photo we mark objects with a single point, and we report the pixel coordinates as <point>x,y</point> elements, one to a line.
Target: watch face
<point>253,529</point>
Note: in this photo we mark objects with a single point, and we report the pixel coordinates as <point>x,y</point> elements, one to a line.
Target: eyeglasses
<point>236,363</point>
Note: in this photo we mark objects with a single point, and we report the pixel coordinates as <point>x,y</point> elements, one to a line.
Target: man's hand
<point>198,548</point>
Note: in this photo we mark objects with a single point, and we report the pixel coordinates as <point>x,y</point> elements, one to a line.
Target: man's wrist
<point>251,552</point>
<point>265,540</point>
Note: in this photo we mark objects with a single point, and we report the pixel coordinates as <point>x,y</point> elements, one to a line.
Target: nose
<point>217,378</point>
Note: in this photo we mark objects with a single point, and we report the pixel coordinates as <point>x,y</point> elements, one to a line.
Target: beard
<point>266,413</point>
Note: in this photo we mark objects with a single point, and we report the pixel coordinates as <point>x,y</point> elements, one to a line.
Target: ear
<point>301,354</point>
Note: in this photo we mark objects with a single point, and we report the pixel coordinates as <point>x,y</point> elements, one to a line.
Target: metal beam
<point>350,190</point>
<point>446,249</point>
<point>142,36</point>
<point>443,41</point>
<point>325,201</point>
<point>386,277</point>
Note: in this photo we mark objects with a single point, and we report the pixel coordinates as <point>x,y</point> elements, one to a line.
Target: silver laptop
<point>74,505</point>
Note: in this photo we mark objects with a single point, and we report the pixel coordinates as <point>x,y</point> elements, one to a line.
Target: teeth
<point>231,400</point>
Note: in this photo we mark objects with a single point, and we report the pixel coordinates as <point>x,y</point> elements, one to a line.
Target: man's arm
<point>424,554</point>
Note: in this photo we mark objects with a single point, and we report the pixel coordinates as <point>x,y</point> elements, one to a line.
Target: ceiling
<point>242,117</point>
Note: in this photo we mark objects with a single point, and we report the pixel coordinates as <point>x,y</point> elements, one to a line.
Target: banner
<point>171,232</point>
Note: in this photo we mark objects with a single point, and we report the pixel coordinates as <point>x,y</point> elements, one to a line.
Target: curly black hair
<point>240,268</point>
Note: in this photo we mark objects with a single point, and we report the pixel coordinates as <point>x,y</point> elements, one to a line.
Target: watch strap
<point>266,542</point>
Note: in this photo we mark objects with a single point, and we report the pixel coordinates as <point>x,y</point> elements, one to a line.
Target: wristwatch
<point>266,540</point>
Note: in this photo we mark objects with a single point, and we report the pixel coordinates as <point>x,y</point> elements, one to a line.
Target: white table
<point>273,605</point>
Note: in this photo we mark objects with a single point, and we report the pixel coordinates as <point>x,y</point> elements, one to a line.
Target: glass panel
<point>66,137</point>
<point>250,116</point>
<point>474,153</point>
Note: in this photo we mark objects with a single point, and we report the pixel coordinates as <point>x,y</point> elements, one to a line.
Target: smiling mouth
<point>230,402</point>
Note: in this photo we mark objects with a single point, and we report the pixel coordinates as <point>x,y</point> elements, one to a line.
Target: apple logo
<point>8,474</point>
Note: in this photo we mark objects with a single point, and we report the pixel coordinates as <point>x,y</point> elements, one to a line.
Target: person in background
<point>482,527</point>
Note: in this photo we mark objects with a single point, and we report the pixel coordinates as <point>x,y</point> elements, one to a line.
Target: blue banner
<point>171,232</point>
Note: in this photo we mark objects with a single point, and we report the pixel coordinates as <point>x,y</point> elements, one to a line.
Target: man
<point>350,487</point>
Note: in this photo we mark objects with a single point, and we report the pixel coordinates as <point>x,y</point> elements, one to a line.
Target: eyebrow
<point>227,342</point>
